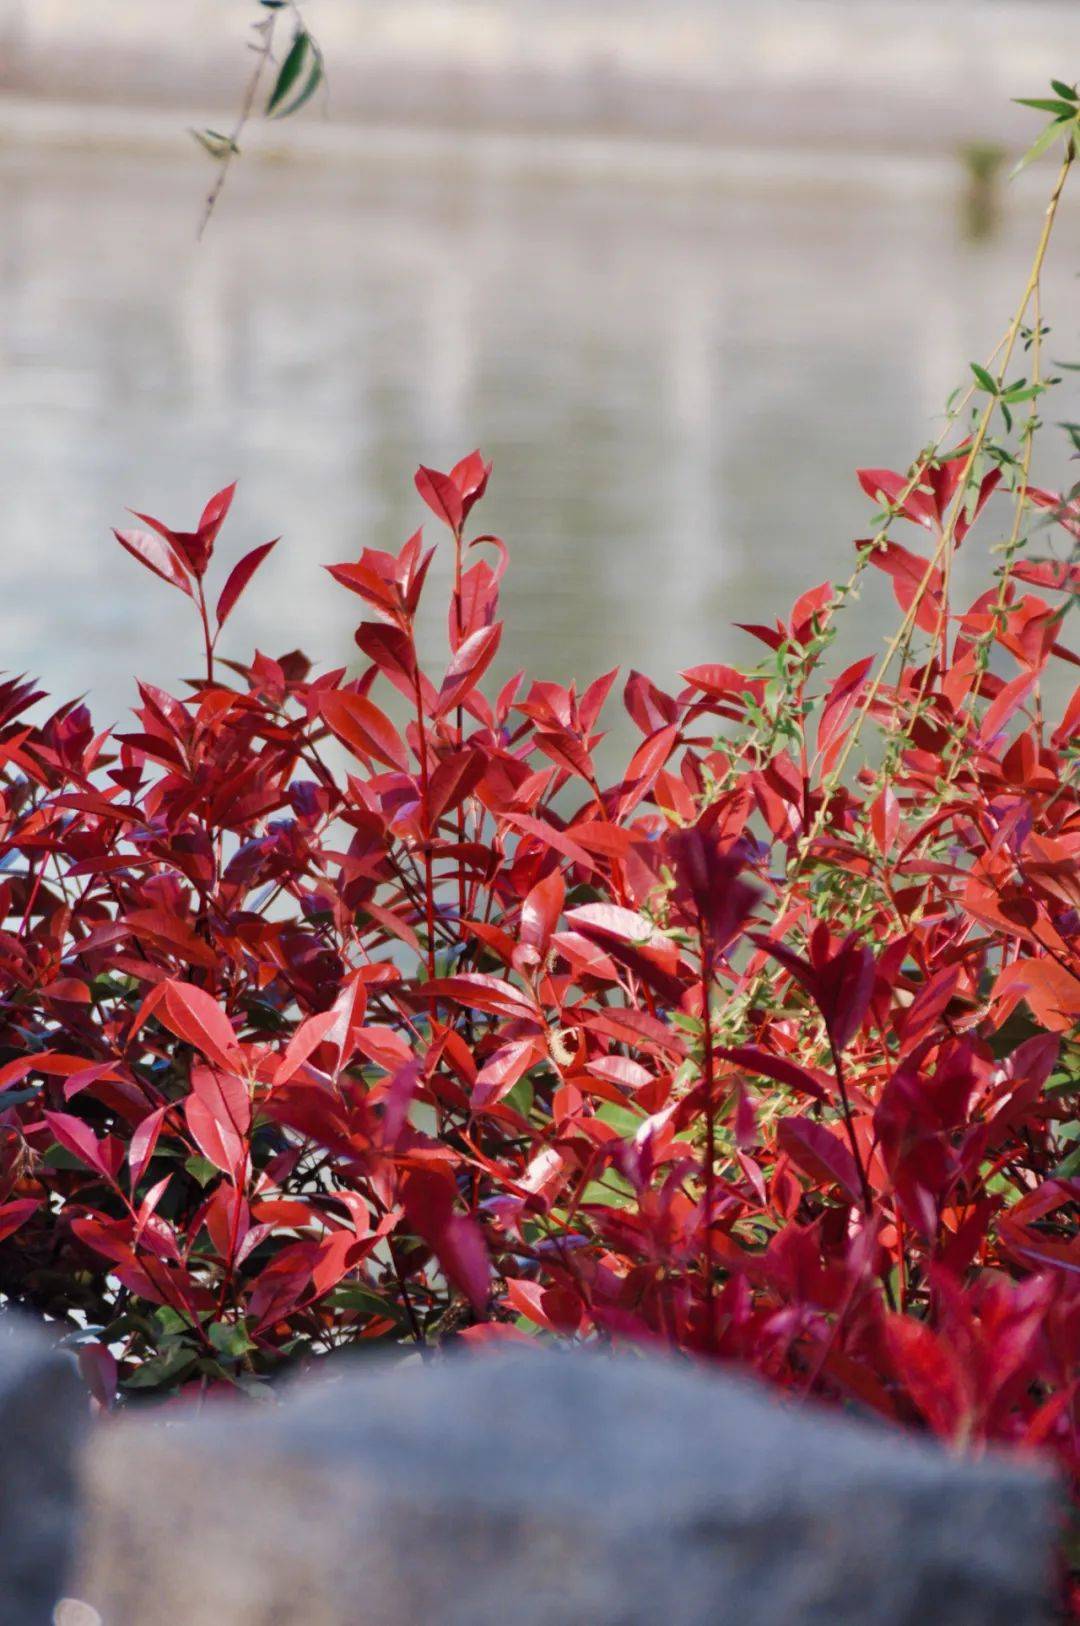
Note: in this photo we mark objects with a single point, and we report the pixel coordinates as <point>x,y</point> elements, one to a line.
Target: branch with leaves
<point>299,76</point>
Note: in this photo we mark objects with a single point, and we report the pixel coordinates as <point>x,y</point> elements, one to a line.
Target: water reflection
<point>675,385</point>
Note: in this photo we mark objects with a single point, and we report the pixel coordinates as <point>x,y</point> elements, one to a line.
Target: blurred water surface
<point>675,382</point>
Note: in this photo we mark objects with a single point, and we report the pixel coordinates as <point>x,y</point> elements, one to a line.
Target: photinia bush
<point>356,1011</point>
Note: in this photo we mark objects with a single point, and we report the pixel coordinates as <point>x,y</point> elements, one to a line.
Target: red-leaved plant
<point>357,1011</point>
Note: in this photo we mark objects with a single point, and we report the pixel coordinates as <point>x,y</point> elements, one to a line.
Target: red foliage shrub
<point>347,1011</point>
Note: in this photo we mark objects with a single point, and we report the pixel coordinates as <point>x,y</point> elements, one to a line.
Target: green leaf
<point>291,69</point>
<point>162,1369</point>
<point>230,1338</point>
<point>355,1296</point>
<point>314,80</point>
<point>200,1168</point>
<point>217,145</point>
<point>984,379</point>
<point>58,1157</point>
<point>1068,91</point>
<point>1053,130</point>
<point>1062,109</point>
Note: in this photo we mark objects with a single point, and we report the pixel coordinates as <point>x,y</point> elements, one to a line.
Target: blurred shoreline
<point>852,79</point>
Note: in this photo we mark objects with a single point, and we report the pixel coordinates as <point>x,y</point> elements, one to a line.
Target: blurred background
<point>678,266</point>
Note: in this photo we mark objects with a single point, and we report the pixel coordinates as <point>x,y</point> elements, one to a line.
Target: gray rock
<point>553,1490</point>
<point>43,1408</point>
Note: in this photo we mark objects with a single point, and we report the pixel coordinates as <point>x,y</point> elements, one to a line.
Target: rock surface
<point>552,1490</point>
<point>43,1407</point>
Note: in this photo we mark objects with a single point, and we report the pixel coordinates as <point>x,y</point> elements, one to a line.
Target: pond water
<point>675,382</point>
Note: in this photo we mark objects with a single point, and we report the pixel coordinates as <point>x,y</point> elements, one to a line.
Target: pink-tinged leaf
<point>470,661</point>
<point>471,476</point>
<point>913,578</point>
<point>644,766</point>
<point>348,1009</point>
<point>1065,510</point>
<point>157,556</point>
<point>1050,991</point>
<point>1010,699</point>
<point>225,1095</point>
<point>885,819</point>
<point>839,704</point>
<point>382,1045</point>
<point>556,1309</point>
<point>307,1038</point>
<point>808,613</point>
<point>143,1140</point>
<point>162,930</point>
<point>584,957</point>
<point>86,1076</point>
<point>620,1070</point>
<point>560,841</point>
<point>964,521</point>
<point>199,1020</point>
<point>480,993</point>
<point>930,1371</point>
<point>13,1072</point>
<point>239,577</point>
<point>213,515</point>
<point>16,1213</point>
<point>501,1072</point>
<point>780,1068</point>
<point>79,1139</point>
<point>363,728</point>
<point>611,920</point>
<point>820,1154</point>
<point>917,506</point>
<point>845,988</point>
<point>98,1367</point>
<point>218,1114</point>
<point>441,495</point>
<point>540,913</point>
<point>461,1251</point>
<point>717,680</point>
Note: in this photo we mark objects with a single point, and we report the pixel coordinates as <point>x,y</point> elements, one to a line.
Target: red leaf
<point>213,515</point>
<point>363,728</point>
<point>930,1371</point>
<point>540,913</point>
<point>1008,701</point>
<point>195,1017</point>
<point>556,1309</point>
<point>16,1213</point>
<point>644,766</point>
<point>218,1113</point>
<point>239,577</point>
<point>1052,994</point>
<point>441,495</point>
<point>142,1143</point>
<point>97,1363</point>
<point>225,1096</point>
<point>480,993</point>
<point>461,1252</point>
<point>471,476</point>
<point>917,505</point>
<point>175,936</point>
<point>157,556</point>
<point>820,1154</point>
<point>912,576</point>
<point>501,1072</point>
<point>839,704</point>
<point>780,1068</point>
<point>80,1140</point>
<point>470,661</point>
